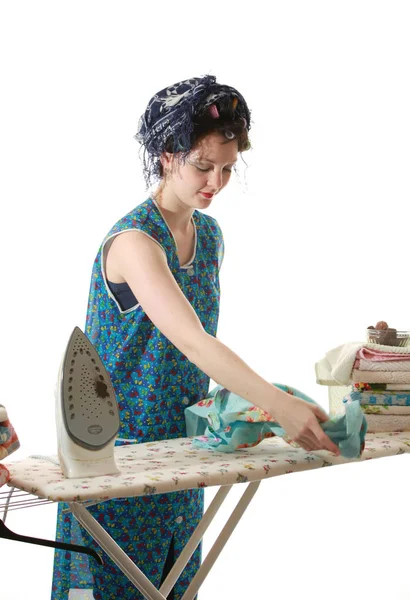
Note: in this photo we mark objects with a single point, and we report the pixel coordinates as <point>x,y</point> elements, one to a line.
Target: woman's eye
<point>204,170</point>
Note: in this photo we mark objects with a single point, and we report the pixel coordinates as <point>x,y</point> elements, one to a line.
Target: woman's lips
<point>206,195</point>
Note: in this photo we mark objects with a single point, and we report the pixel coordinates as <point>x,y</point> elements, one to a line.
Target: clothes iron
<point>87,415</point>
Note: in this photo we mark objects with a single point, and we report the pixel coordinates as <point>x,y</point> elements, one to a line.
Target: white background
<point>315,229</point>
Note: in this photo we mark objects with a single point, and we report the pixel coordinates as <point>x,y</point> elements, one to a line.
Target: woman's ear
<point>166,159</point>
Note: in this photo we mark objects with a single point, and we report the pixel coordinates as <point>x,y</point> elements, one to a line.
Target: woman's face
<point>207,170</point>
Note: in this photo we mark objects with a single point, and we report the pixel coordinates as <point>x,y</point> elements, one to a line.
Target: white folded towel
<point>401,387</point>
<point>380,376</point>
<point>337,365</point>
<point>379,423</point>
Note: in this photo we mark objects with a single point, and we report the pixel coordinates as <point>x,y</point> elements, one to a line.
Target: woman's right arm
<point>143,265</point>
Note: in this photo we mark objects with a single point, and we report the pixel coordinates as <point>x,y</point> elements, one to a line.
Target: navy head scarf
<point>171,113</point>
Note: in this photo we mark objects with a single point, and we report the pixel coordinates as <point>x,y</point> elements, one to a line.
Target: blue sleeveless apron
<point>154,383</point>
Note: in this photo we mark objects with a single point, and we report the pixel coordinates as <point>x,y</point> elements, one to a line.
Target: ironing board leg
<point>194,540</point>
<point>127,566</point>
<point>137,577</point>
<point>221,540</point>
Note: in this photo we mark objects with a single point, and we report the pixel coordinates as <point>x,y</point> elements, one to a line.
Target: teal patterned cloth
<point>226,422</point>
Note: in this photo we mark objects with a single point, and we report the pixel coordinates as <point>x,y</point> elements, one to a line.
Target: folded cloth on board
<point>379,387</point>
<point>337,365</point>
<point>226,422</point>
<point>385,409</point>
<point>381,376</point>
<point>4,475</point>
<point>379,399</point>
<point>379,423</point>
<point>9,441</point>
<point>382,356</point>
<point>363,364</point>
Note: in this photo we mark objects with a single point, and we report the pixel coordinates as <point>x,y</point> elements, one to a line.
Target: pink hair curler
<point>213,111</point>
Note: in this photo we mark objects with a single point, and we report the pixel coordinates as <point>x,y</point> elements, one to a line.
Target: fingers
<point>320,414</point>
<point>310,445</point>
<point>324,441</point>
<point>307,441</point>
<point>312,437</point>
<point>307,444</point>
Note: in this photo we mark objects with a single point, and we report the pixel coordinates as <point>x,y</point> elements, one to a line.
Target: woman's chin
<point>204,199</point>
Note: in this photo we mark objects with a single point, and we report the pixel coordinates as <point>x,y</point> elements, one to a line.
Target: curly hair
<point>228,123</point>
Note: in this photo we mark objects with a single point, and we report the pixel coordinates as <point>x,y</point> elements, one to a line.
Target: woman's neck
<point>177,215</point>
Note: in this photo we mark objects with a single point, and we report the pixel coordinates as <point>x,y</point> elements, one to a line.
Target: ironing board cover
<point>154,383</point>
<point>169,465</point>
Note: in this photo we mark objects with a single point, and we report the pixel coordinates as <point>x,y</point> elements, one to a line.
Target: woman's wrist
<point>276,402</point>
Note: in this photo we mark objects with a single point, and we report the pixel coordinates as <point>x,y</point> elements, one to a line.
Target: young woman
<point>152,316</point>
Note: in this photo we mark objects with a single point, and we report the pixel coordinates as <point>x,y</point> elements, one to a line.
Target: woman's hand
<point>300,420</point>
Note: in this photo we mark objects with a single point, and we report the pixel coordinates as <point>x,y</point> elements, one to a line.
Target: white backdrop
<point>315,233</point>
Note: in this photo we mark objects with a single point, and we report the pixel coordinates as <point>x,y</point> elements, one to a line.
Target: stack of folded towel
<point>379,376</point>
<point>381,383</point>
<point>9,443</point>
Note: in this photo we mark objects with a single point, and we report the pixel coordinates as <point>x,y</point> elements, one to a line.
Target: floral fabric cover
<point>171,465</point>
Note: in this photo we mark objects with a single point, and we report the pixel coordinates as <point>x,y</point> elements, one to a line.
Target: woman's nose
<point>215,180</point>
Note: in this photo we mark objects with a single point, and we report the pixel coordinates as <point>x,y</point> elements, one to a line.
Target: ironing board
<point>172,465</point>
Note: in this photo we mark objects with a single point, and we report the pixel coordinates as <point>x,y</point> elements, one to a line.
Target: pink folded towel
<point>380,355</point>
<point>380,376</point>
<point>368,359</point>
<point>380,423</point>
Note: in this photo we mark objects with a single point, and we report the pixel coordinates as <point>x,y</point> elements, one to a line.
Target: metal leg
<point>194,540</point>
<point>137,577</point>
<point>221,540</point>
<point>127,566</point>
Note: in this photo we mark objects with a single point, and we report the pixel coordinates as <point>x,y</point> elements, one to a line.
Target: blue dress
<point>154,383</point>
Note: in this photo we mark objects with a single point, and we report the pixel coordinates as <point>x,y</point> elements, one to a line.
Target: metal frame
<point>137,577</point>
